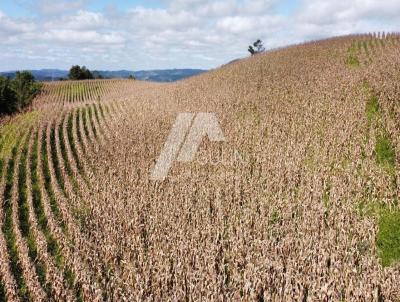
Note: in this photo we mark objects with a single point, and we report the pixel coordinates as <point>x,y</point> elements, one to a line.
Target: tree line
<point>77,73</point>
<point>17,93</point>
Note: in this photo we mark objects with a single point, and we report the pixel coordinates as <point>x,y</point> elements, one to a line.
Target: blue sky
<point>21,8</point>
<point>159,34</point>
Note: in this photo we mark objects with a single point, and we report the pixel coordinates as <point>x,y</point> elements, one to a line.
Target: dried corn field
<point>299,204</point>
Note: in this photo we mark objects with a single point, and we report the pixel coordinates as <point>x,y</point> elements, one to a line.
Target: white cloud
<point>82,37</point>
<point>257,7</point>
<point>147,18</point>
<point>330,11</point>
<point>85,20</point>
<point>51,7</point>
<point>11,26</point>
<point>237,24</point>
<point>242,24</point>
<point>218,9</point>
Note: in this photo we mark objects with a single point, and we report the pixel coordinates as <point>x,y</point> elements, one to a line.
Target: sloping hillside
<point>299,203</point>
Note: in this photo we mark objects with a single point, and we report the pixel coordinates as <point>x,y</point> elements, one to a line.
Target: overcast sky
<point>136,34</point>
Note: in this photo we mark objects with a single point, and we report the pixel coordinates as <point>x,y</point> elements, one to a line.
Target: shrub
<point>80,73</point>
<point>25,88</point>
<point>256,48</point>
<point>8,99</point>
<point>18,93</point>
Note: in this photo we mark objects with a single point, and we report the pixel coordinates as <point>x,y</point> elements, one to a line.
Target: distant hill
<point>168,75</point>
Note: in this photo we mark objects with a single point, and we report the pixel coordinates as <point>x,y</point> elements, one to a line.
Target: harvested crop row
<point>48,247</point>
<point>68,172</point>
<point>76,155</point>
<point>27,285</point>
<point>64,231</point>
<point>25,221</point>
<point>299,203</point>
<point>47,177</point>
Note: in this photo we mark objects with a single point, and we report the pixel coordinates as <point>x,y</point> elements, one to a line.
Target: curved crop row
<point>24,222</point>
<point>8,229</point>
<point>48,185</point>
<point>64,155</point>
<point>92,124</point>
<point>53,247</point>
<point>85,124</point>
<point>79,130</point>
<point>71,142</point>
<point>55,160</point>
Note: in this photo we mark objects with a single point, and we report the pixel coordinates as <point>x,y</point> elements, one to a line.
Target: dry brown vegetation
<point>308,213</point>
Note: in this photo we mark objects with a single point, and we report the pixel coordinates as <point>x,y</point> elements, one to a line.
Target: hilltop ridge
<point>300,202</point>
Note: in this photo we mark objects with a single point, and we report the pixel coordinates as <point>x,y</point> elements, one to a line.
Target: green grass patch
<point>372,108</point>
<point>275,218</point>
<point>9,133</point>
<point>388,237</point>
<point>352,61</point>
<point>385,153</point>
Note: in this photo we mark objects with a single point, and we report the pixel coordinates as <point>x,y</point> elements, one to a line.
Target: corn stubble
<point>298,204</point>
